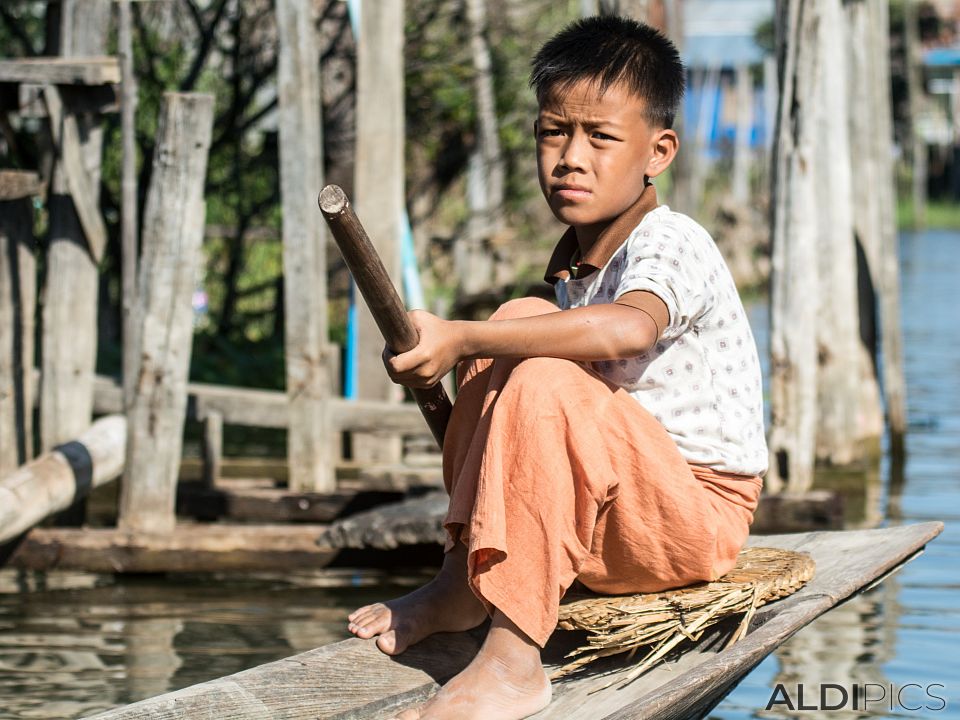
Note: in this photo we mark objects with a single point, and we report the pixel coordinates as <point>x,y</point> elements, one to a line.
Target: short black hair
<point>608,50</point>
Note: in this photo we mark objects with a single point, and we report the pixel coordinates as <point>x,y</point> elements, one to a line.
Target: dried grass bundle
<point>661,621</point>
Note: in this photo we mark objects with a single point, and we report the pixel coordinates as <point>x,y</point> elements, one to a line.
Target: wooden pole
<point>69,335</point>
<point>485,175</point>
<point>17,306</point>
<point>871,143</point>
<point>742,152</point>
<point>128,201</point>
<point>841,409</point>
<point>304,257</point>
<point>915,101</point>
<point>59,477</point>
<point>381,298</point>
<point>891,331</point>
<point>173,230</point>
<point>212,443</point>
<point>379,190</point>
<point>793,355</point>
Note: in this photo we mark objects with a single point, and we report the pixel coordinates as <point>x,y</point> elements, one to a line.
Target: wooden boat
<point>352,679</point>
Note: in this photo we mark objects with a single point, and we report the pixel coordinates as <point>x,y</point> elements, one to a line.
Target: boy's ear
<point>664,146</point>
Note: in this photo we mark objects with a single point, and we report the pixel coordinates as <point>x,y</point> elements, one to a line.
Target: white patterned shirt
<point>702,379</point>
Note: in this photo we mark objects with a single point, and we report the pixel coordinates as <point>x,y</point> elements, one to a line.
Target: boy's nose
<point>574,156</point>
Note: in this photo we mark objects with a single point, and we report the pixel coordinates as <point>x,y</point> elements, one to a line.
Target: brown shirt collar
<point>611,238</point>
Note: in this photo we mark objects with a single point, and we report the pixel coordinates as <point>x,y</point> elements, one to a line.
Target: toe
<point>411,714</point>
<point>388,643</point>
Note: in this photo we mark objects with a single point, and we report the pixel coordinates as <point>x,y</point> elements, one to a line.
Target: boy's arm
<point>611,331</point>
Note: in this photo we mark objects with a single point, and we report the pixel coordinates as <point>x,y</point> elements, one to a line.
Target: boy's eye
<point>603,136</point>
<point>551,132</point>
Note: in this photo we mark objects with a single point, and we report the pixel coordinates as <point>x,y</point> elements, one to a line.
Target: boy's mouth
<point>571,192</point>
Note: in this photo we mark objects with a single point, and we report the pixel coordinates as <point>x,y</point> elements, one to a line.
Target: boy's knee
<point>545,376</point>
<point>523,307</point>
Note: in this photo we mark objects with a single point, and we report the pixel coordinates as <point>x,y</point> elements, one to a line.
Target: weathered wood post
<point>823,388</point>
<point>871,143</point>
<point>845,414</point>
<point>917,145</point>
<point>69,321</point>
<point>128,201</point>
<point>793,350</point>
<point>485,173</point>
<point>173,230</point>
<point>212,446</point>
<point>304,249</point>
<point>379,189</point>
<point>18,291</point>
<point>742,150</point>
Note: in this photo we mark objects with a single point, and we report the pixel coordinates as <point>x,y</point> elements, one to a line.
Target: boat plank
<point>325,683</point>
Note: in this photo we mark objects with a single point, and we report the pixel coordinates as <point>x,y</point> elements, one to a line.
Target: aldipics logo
<point>911,697</point>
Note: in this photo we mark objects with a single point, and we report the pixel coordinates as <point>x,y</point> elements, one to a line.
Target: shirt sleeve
<point>659,260</point>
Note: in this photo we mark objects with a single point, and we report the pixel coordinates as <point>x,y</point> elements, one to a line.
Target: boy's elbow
<point>637,333</point>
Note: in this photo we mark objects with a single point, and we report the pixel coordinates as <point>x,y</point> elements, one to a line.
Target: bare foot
<point>445,604</point>
<point>502,683</point>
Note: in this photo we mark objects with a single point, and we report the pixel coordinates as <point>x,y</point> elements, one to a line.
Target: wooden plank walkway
<point>352,679</point>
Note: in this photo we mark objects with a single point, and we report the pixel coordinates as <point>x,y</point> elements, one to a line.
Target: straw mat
<point>658,622</point>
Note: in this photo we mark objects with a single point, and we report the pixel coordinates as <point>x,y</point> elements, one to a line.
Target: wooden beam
<point>304,257</point>
<point>238,474</point>
<point>56,479</point>
<point>410,522</point>
<point>96,99</point>
<point>18,184</point>
<point>173,230</point>
<point>18,290</point>
<point>379,189</point>
<point>69,324</point>
<point>268,408</point>
<point>66,136</point>
<point>276,505</point>
<point>192,548</point>
<point>76,70</point>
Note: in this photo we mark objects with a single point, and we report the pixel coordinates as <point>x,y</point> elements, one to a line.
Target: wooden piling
<point>128,200</point>
<point>69,322</point>
<point>304,257</point>
<point>173,230</point>
<point>17,306</point>
<point>379,189</point>
<point>793,356</point>
<point>212,442</point>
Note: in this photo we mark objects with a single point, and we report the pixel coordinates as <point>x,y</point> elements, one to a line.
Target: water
<point>73,643</point>
<point>906,629</point>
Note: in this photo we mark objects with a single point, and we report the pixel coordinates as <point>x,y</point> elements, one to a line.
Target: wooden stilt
<point>173,229</point>
<point>304,258</point>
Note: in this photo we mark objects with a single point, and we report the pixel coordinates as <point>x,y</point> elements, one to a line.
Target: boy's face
<point>594,153</point>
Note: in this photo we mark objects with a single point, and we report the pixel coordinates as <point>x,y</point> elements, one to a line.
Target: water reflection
<point>72,644</point>
<point>904,630</point>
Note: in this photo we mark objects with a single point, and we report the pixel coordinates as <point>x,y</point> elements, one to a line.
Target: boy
<point>618,441</point>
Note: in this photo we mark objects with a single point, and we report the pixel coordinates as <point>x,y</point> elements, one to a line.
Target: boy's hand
<point>439,350</point>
